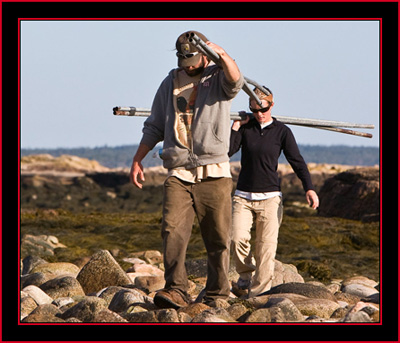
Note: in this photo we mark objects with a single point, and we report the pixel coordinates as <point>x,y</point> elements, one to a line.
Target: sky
<point>74,72</point>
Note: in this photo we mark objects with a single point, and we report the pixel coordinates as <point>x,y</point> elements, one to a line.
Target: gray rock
<point>63,301</point>
<point>48,309</point>
<point>141,317</point>
<point>347,297</point>
<point>340,312</point>
<point>361,280</point>
<point>38,295</point>
<point>36,279</point>
<point>44,314</point>
<point>184,317</point>
<point>62,286</point>
<point>167,316</point>
<point>125,298</point>
<point>261,315</point>
<point>285,273</point>
<point>29,262</point>
<point>359,290</point>
<point>373,298</point>
<point>213,315</point>
<point>156,316</point>
<point>308,290</point>
<point>100,272</point>
<point>237,311</point>
<point>27,305</point>
<point>277,315</point>
<point>107,316</point>
<point>353,194</point>
<point>323,308</point>
<point>42,318</point>
<point>57,268</point>
<point>86,310</point>
<point>356,317</point>
<point>150,283</point>
<point>108,293</point>
<point>290,312</point>
<point>41,245</point>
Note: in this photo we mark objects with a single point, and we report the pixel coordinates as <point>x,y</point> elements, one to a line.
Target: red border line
<point>199,19</point>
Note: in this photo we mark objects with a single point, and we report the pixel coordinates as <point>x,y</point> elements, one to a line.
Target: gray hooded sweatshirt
<point>210,126</point>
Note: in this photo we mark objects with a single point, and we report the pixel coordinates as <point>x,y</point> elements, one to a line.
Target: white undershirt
<point>266,124</point>
<point>257,196</point>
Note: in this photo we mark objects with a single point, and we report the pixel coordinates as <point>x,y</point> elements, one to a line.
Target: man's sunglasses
<point>190,55</point>
<point>262,110</point>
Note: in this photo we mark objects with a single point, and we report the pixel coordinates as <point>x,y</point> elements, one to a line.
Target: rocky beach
<point>90,249</point>
<point>101,291</point>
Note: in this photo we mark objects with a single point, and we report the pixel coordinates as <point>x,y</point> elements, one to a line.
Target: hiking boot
<point>171,298</point>
<point>243,284</point>
<point>241,288</point>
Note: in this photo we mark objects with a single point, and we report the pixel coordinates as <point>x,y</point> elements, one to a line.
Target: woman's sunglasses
<point>262,110</point>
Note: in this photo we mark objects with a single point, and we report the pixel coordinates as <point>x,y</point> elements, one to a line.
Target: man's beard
<point>196,71</point>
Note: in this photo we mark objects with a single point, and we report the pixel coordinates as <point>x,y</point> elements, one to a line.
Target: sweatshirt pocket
<point>211,141</point>
<point>174,157</point>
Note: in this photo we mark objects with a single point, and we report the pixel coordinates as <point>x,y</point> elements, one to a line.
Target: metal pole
<point>255,84</point>
<point>199,44</point>
<point>330,125</point>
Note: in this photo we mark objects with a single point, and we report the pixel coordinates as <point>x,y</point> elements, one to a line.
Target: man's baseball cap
<point>187,54</point>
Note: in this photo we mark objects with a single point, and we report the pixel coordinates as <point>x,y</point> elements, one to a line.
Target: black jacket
<point>261,149</point>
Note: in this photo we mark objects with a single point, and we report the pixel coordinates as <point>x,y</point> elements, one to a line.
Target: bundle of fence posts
<point>330,125</point>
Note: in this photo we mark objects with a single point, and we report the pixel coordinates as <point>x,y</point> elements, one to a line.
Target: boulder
<point>29,262</point>
<point>42,245</point>
<point>305,289</point>
<point>27,305</point>
<point>213,315</point>
<point>85,310</point>
<point>323,308</point>
<point>290,312</point>
<point>100,272</point>
<point>359,290</point>
<point>107,316</point>
<point>62,286</point>
<point>262,315</point>
<point>36,279</point>
<point>57,268</point>
<point>156,316</point>
<point>353,194</point>
<point>38,295</point>
<point>125,298</point>
<point>44,314</point>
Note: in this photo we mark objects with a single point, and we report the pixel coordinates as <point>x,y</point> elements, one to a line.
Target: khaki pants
<point>211,201</point>
<point>268,217</point>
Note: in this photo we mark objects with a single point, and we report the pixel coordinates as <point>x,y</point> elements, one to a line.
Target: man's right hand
<point>137,168</point>
<point>137,171</point>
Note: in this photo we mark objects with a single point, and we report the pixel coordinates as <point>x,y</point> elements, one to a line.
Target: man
<point>191,114</point>
<point>258,194</point>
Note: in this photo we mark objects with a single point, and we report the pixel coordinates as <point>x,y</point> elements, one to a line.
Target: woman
<point>258,195</point>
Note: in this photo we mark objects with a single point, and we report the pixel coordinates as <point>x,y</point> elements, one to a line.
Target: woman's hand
<point>238,123</point>
<point>312,199</point>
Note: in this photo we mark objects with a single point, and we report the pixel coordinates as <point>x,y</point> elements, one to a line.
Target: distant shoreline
<point>121,156</point>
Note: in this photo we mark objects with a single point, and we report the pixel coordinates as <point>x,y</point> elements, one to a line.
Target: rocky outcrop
<point>46,163</point>
<point>77,184</point>
<point>353,194</point>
